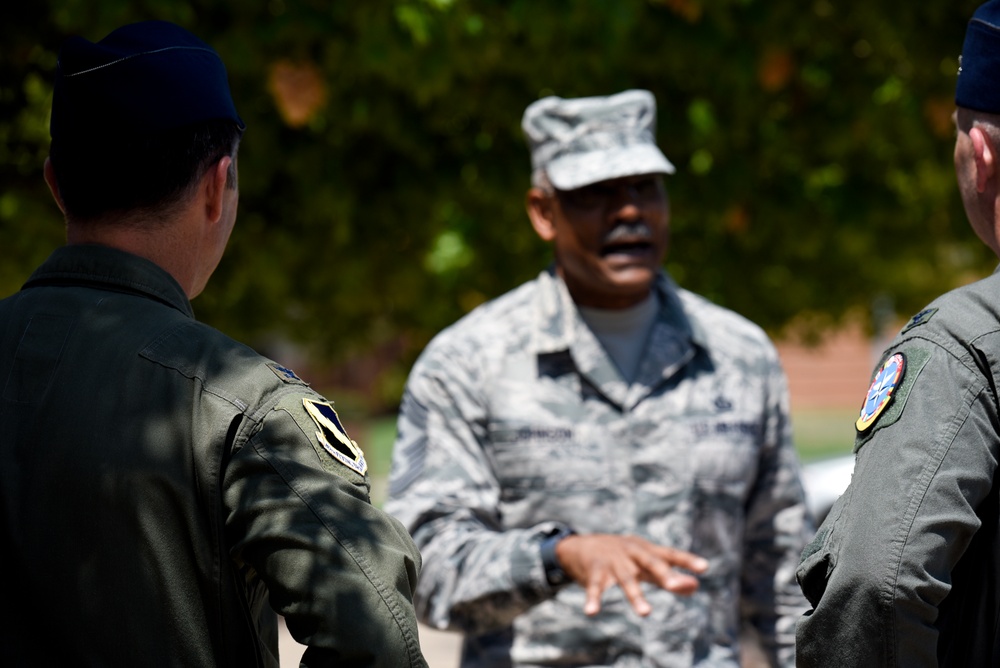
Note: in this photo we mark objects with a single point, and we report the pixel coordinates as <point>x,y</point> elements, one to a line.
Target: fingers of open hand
<point>600,561</point>
<point>597,582</point>
<point>624,574</point>
<point>681,559</point>
<point>659,569</point>
<point>629,582</point>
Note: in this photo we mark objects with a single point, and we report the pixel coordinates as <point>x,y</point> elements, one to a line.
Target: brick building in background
<point>834,374</point>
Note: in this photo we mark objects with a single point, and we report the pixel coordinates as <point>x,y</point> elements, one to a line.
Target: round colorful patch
<point>880,393</point>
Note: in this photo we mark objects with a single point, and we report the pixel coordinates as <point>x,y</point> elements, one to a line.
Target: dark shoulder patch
<point>919,319</point>
<point>285,374</point>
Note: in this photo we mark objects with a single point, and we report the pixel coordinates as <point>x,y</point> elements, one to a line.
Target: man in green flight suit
<point>164,490</point>
<point>905,571</point>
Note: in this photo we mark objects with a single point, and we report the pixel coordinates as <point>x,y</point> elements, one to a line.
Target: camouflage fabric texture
<point>589,139</point>
<point>515,421</point>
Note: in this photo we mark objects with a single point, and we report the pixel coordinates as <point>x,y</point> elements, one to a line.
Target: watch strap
<point>554,573</point>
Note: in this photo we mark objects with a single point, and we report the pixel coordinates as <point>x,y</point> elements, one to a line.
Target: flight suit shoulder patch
<point>285,374</point>
<point>886,397</point>
<point>331,436</point>
<point>882,391</point>
<point>919,319</point>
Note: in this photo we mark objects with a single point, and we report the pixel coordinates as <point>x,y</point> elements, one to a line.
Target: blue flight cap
<point>979,68</point>
<point>141,79</point>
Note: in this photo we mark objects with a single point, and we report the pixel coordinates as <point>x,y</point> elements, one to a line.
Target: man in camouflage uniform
<point>164,490</point>
<point>600,426</point>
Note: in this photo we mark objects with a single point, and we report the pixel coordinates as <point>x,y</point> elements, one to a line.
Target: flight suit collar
<point>108,268</point>
<point>561,331</point>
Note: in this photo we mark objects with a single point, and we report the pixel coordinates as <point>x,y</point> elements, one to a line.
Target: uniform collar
<point>556,313</point>
<point>110,269</point>
<point>560,331</point>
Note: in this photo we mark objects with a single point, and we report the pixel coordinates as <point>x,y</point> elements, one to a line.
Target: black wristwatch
<point>553,570</point>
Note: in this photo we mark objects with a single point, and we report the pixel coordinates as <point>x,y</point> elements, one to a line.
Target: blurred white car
<point>824,481</point>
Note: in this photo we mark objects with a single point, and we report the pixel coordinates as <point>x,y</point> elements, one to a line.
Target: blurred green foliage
<point>383,172</point>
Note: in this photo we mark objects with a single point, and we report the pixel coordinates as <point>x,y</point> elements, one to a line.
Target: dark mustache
<point>637,231</point>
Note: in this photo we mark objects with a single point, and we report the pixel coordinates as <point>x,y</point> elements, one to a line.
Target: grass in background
<point>376,439</point>
<point>380,433</point>
<point>820,433</point>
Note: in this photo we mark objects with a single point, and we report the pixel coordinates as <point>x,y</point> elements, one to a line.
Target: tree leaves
<point>383,171</point>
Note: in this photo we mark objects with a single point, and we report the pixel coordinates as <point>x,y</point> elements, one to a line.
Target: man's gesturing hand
<point>598,561</point>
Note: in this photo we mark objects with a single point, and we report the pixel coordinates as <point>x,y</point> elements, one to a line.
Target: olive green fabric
<point>162,494</point>
<point>916,357</point>
<point>905,569</point>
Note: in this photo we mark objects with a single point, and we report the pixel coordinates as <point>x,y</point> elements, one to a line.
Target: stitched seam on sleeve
<point>412,644</point>
<point>899,541</point>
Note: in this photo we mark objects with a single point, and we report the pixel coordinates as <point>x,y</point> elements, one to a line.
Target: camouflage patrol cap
<point>979,67</point>
<point>143,78</point>
<point>584,140</point>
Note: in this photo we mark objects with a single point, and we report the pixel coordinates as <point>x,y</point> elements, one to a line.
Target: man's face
<point>610,239</point>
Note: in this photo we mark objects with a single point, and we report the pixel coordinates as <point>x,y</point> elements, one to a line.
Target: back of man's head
<point>977,90</point>
<point>136,120</point>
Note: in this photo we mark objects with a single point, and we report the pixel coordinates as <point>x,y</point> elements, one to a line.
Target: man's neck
<point>165,244</point>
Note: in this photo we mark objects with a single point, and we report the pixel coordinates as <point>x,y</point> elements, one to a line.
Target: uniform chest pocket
<point>725,454</point>
<point>551,458</point>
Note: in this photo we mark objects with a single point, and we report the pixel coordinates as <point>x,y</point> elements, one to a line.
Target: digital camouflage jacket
<point>515,421</point>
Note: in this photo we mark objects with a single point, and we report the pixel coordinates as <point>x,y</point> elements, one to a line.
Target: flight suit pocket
<point>815,567</point>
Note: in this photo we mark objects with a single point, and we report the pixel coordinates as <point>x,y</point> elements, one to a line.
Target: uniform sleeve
<point>778,526</point>
<point>881,565</point>
<point>340,571</point>
<point>476,577</point>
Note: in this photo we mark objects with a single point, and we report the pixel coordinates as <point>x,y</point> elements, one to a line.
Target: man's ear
<point>985,154</point>
<point>213,188</point>
<point>49,173</point>
<point>541,213</point>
